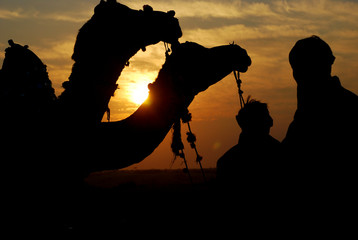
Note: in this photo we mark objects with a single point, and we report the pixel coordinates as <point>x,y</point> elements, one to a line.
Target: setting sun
<point>140,93</point>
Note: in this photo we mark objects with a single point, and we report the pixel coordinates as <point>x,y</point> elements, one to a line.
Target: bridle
<point>186,117</point>
<point>177,143</point>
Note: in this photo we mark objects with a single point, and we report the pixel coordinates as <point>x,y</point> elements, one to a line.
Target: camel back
<point>25,89</point>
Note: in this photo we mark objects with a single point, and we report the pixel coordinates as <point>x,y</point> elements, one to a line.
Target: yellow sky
<point>266,29</point>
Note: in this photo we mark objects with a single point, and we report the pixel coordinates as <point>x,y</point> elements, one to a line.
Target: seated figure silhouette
<point>248,163</point>
<point>322,138</point>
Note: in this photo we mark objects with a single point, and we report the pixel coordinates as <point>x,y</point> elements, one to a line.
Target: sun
<point>139,93</point>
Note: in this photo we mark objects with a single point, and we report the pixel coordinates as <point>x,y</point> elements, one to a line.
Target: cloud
<point>262,18</point>
<point>11,14</point>
<point>253,10</point>
<point>56,50</point>
<point>239,32</point>
<point>149,61</point>
<point>209,9</point>
<point>75,16</point>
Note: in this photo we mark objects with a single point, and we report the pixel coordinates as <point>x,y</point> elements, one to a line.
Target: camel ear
<point>171,13</point>
<point>147,8</point>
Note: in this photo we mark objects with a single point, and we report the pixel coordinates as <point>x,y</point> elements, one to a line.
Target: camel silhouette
<point>103,48</point>
<point>55,142</point>
<point>190,69</point>
<point>31,110</point>
<point>26,91</point>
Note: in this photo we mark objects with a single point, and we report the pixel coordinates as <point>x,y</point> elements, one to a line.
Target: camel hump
<point>25,89</point>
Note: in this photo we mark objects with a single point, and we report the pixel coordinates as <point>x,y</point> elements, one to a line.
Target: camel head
<point>192,68</point>
<point>156,26</point>
<point>117,30</point>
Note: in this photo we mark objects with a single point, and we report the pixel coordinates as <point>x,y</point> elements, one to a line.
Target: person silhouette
<point>323,134</point>
<point>320,144</point>
<point>249,162</point>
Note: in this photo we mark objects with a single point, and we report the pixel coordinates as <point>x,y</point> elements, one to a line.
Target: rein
<point>185,116</point>
<point>238,82</point>
<point>177,143</point>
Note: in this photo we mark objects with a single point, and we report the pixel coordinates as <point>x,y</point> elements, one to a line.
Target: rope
<point>177,144</point>
<point>182,155</point>
<point>238,82</point>
<point>191,138</point>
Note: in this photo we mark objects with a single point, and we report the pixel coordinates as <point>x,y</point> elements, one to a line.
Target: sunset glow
<point>139,93</point>
<point>266,29</point>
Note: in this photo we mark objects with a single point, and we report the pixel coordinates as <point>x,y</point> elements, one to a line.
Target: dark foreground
<point>164,203</point>
<point>155,200</point>
<point>161,202</point>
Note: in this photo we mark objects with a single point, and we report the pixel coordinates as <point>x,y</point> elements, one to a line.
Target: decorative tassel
<point>177,143</point>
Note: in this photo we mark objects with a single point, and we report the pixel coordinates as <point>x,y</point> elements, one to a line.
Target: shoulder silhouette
<point>249,163</point>
<point>325,121</point>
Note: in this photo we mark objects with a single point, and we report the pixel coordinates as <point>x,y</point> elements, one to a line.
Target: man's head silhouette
<point>254,118</point>
<point>311,60</point>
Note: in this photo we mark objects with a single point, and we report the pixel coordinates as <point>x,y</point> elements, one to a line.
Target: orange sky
<point>266,29</point>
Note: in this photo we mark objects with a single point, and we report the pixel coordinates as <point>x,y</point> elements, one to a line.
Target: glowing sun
<point>139,94</point>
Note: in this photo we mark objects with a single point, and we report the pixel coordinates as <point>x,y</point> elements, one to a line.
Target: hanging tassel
<point>178,146</point>
<point>177,143</point>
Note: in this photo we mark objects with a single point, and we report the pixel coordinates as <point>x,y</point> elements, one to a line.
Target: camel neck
<point>89,89</point>
<point>160,109</point>
<point>145,129</point>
